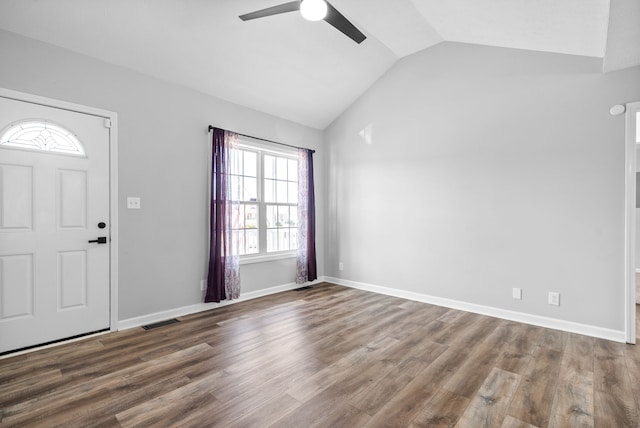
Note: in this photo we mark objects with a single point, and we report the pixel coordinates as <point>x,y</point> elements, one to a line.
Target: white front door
<point>54,200</point>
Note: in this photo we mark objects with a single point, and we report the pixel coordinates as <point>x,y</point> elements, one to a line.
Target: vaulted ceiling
<point>308,72</point>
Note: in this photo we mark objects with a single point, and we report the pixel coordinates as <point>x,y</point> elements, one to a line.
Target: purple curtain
<point>223,279</point>
<point>312,274</point>
<point>306,255</point>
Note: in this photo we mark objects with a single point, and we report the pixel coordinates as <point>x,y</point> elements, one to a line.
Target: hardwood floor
<point>328,356</point>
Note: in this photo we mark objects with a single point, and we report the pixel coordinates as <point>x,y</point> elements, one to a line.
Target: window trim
<point>247,259</point>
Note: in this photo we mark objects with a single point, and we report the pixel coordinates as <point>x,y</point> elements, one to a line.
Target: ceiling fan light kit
<point>313,10</point>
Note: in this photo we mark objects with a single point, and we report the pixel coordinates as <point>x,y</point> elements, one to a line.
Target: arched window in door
<point>41,135</point>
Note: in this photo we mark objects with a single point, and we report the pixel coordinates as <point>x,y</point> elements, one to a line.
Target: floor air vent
<point>160,324</point>
<point>306,287</point>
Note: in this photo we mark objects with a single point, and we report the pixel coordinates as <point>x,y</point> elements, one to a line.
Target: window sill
<point>246,260</point>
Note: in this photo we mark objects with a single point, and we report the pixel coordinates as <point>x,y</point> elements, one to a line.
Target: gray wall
<point>162,143</point>
<point>488,169</point>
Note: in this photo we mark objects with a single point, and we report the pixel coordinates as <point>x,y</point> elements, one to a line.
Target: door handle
<point>100,240</point>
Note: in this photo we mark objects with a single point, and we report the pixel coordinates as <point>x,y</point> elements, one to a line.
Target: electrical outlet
<point>340,266</point>
<point>203,284</point>
<point>133,203</point>
<point>517,293</point>
<point>554,298</point>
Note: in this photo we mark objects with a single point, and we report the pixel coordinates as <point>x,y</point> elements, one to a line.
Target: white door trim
<point>630,222</point>
<point>113,180</point>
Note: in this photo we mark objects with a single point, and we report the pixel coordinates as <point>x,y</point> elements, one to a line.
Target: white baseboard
<point>556,324</point>
<point>572,327</point>
<point>200,307</point>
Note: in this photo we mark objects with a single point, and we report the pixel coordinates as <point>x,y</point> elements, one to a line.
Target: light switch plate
<point>133,203</point>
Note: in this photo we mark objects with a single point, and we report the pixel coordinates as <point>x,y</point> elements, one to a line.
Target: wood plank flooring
<point>327,356</point>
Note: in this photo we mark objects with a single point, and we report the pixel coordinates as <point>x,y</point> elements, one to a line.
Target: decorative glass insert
<point>43,136</point>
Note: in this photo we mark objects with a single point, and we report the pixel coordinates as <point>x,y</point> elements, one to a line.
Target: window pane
<point>235,159</point>
<point>293,216</point>
<point>293,240</point>
<point>250,164</point>
<point>269,166</point>
<point>251,237</point>
<point>269,191</point>
<point>281,191</point>
<point>250,189</point>
<point>293,170</point>
<point>242,243</point>
<point>283,239</point>
<point>235,243</point>
<point>272,215</point>
<point>251,216</point>
<point>272,240</point>
<point>236,185</point>
<point>281,168</point>
<point>283,216</point>
<point>237,216</point>
<point>293,193</point>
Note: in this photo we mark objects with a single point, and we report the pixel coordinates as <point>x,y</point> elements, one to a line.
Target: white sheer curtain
<point>306,253</point>
<point>232,246</point>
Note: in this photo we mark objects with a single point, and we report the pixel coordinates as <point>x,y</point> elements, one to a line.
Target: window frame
<point>262,149</point>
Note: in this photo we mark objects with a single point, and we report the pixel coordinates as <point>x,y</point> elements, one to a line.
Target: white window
<point>41,135</point>
<point>265,222</point>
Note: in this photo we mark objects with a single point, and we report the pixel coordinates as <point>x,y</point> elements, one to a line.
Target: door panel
<point>53,283</point>
<point>72,199</point>
<point>72,279</point>
<point>16,273</point>
<point>16,187</point>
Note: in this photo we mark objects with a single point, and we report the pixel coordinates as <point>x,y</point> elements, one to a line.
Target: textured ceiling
<point>308,72</point>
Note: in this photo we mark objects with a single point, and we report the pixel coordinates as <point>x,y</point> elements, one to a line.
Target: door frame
<point>630,222</point>
<point>113,181</point>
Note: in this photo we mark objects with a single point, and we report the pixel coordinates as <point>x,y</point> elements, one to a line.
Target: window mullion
<point>262,207</point>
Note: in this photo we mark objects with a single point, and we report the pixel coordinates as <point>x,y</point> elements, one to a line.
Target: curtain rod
<point>264,139</point>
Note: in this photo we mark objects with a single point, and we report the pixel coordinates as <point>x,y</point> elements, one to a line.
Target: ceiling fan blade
<point>338,20</point>
<point>274,10</point>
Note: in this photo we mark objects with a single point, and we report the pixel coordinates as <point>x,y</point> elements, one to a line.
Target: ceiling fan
<point>312,10</point>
